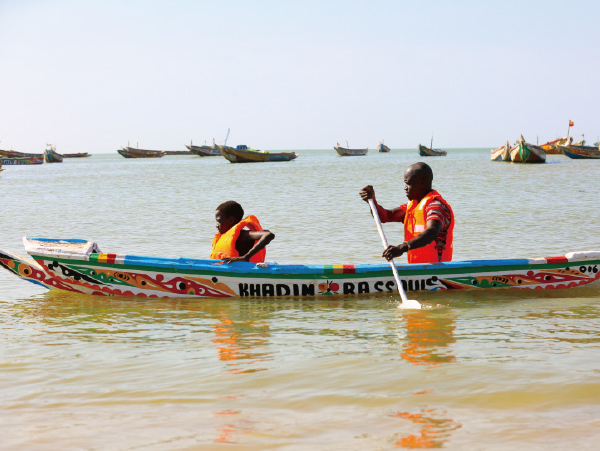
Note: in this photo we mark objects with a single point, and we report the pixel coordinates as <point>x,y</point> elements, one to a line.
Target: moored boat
<point>501,153</point>
<point>581,152</point>
<point>15,154</point>
<point>382,148</point>
<point>523,152</point>
<point>51,156</point>
<point>241,154</point>
<point>204,151</point>
<point>80,266</point>
<point>551,146</point>
<point>22,161</point>
<point>427,152</point>
<point>132,152</point>
<point>76,155</point>
<point>346,152</point>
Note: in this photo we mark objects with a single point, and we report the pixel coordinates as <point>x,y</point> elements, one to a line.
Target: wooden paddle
<point>406,303</point>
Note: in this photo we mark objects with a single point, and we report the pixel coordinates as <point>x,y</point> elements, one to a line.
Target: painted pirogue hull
<point>50,156</point>
<point>204,151</point>
<point>581,152</point>
<point>523,152</point>
<point>382,148</point>
<point>76,155</point>
<point>21,161</point>
<point>130,152</point>
<point>501,153</point>
<point>427,152</point>
<point>15,154</point>
<point>254,156</point>
<point>79,266</point>
<point>345,152</point>
<point>551,147</point>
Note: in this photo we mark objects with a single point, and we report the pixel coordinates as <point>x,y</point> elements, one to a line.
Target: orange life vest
<point>223,245</point>
<point>415,222</point>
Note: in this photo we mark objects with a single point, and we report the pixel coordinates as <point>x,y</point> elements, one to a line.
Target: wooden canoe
<point>204,151</point>
<point>80,266</point>
<point>241,154</point>
<point>345,152</point>
<point>581,152</point>
<point>51,156</point>
<point>76,155</point>
<point>427,152</point>
<point>382,148</point>
<point>551,146</point>
<point>22,161</point>
<point>15,154</point>
<point>501,153</point>
<point>131,152</point>
<point>523,152</point>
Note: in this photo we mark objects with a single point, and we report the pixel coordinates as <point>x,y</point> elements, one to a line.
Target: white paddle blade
<point>410,304</point>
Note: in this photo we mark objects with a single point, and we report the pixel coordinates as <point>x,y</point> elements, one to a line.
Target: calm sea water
<point>499,370</point>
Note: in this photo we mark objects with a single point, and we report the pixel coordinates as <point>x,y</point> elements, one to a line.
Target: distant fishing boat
<point>241,154</point>
<point>132,152</point>
<point>204,151</point>
<point>22,160</point>
<point>501,153</point>
<point>581,152</point>
<point>177,152</point>
<point>346,152</point>
<point>51,156</point>
<point>76,155</point>
<point>427,152</point>
<point>382,148</point>
<point>523,152</point>
<point>551,146</point>
<point>15,154</point>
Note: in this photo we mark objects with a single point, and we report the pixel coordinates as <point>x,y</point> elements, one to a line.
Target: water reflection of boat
<point>79,266</point>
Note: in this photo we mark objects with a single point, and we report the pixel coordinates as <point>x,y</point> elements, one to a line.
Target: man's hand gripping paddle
<point>406,303</point>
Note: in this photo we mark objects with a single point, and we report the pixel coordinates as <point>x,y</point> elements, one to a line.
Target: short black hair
<point>231,208</point>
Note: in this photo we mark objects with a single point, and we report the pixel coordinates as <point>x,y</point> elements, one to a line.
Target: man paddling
<point>233,243</point>
<point>428,219</point>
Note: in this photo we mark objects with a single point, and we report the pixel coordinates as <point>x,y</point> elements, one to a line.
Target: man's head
<point>417,181</point>
<point>227,215</point>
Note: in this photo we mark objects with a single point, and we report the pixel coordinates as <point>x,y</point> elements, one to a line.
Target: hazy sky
<point>93,75</point>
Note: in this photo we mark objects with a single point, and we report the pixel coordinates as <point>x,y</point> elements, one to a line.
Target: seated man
<point>428,219</point>
<point>233,243</point>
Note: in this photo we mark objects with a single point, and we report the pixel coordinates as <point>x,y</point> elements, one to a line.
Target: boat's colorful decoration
<point>51,156</point>
<point>581,152</point>
<point>22,161</point>
<point>346,152</point>
<point>501,153</point>
<point>241,154</point>
<point>382,148</point>
<point>551,146</point>
<point>523,152</point>
<point>205,151</point>
<point>76,155</point>
<point>15,154</point>
<point>132,152</point>
<point>427,152</point>
<point>79,266</point>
